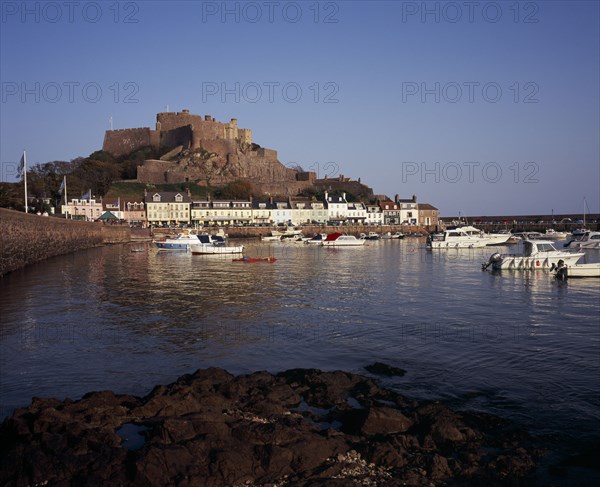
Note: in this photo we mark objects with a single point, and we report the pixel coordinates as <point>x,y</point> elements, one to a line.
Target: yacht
<point>538,254</point>
<point>183,241</point>
<point>493,238</point>
<point>455,238</point>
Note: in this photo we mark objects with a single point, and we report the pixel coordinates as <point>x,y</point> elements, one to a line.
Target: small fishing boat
<point>389,235</point>
<point>255,259</point>
<point>562,271</point>
<point>539,254</point>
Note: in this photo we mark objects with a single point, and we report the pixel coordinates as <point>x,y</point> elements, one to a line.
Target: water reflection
<point>109,318</point>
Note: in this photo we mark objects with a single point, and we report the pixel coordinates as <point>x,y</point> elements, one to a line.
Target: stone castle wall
<point>178,136</point>
<point>125,141</point>
<point>173,129</point>
<point>26,239</point>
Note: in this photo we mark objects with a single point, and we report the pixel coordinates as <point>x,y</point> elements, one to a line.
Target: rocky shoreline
<point>299,427</point>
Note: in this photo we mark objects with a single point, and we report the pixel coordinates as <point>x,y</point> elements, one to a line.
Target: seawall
<point>25,239</point>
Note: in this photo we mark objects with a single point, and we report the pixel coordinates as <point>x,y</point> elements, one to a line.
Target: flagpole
<point>25,178</point>
<point>66,199</point>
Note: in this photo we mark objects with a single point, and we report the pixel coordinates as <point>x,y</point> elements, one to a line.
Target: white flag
<point>21,167</point>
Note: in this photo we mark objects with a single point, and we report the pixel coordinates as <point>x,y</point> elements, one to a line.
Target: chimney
<point>397,199</point>
<point>326,196</point>
<point>344,196</point>
<point>414,198</point>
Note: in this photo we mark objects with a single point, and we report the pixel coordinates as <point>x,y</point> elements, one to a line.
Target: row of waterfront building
<point>177,208</point>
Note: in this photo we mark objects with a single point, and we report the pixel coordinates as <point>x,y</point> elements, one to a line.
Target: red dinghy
<point>255,259</point>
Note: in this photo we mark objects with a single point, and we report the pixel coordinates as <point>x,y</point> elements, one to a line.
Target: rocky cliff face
<point>219,162</point>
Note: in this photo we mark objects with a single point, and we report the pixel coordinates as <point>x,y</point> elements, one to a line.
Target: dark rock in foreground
<point>300,427</point>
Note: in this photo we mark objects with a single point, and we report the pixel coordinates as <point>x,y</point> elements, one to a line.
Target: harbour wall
<point>25,239</point>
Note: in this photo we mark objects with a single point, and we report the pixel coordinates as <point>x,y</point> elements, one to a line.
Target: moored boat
<point>538,254</point>
<point>455,238</point>
<point>390,235</point>
<point>563,271</point>
<point>317,239</point>
<point>181,242</point>
<point>589,240</point>
<point>208,246</point>
<point>554,235</point>
<point>489,238</point>
<point>339,240</point>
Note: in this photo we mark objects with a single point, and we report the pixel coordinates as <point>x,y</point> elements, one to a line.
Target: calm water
<point>516,344</point>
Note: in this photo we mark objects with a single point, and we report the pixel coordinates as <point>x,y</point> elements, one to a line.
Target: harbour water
<point>518,344</point>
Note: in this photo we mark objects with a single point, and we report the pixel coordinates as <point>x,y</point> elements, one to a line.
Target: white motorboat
<point>563,271</point>
<point>455,238</point>
<point>271,238</point>
<point>492,238</point>
<point>181,242</point>
<point>372,236</point>
<point>208,246</point>
<point>288,232</point>
<point>589,240</point>
<point>538,254</point>
<point>339,240</point>
<point>554,235</point>
<point>390,235</point>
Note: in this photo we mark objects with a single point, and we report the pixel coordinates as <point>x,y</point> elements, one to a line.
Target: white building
<point>409,211</point>
<point>281,212</point>
<point>374,215</point>
<point>357,213</point>
<point>83,209</point>
<point>168,208</point>
<point>337,208</point>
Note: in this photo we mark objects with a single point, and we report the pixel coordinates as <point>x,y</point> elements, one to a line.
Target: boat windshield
<point>546,248</point>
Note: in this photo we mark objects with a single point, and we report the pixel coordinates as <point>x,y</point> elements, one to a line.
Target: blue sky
<point>478,108</point>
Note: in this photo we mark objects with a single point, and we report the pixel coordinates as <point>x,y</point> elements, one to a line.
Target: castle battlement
<point>173,129</point>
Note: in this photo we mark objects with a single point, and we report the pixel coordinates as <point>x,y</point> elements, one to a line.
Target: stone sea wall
<point>25,239</point>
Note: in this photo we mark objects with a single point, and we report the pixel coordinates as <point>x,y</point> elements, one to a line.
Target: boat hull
<point>205,249</point>
<point>460,244</point>
<point>180,247</point>
<point>344,243</point>
<point>542,262</point>
<point>584,270</point>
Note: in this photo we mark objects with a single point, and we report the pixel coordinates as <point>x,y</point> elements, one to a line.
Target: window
<point>156,197</point>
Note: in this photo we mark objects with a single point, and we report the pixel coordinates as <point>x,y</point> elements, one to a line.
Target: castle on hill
<point>211,153</point>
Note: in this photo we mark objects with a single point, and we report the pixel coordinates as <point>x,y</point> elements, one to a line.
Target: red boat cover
<point>333,236</point>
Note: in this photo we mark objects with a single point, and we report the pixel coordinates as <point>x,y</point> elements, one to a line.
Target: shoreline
<point>298,427</point>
